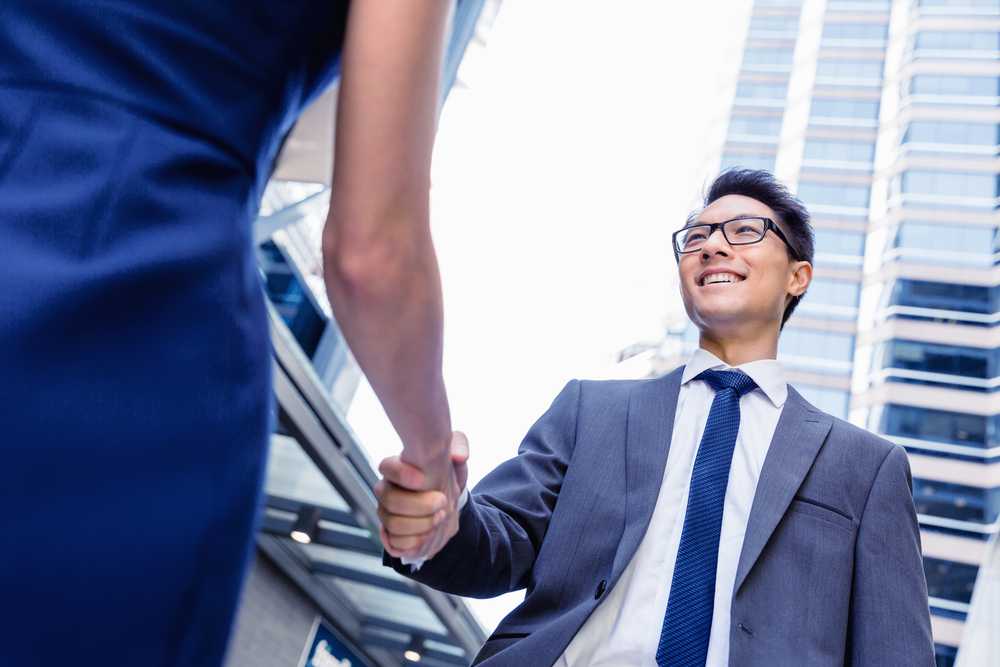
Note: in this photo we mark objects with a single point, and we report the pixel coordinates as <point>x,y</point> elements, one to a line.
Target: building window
<point>856,35</point>
<point>958,4</point>
<point>925,363</point>
<point>791,4</point>
<point>839,248</point>
<point>953,428</point>
<point>858,6</point>
<point>822,351</point>
<point>761,94</point>
<point>767,60</point>
<point>948,86</point>
<point>944,655</point>
<point>940,43</point>
<point>765,162</point>
<point>830,401</point>
<point>941,296</point>
<point>958,7</point>
<point>971,305</point>
<point>855,73</point>
<point>290,298</point>
<point>754,130</point>
<point>950,581</point>
<point>838,155</point>
<point>765,27</point>
<point>943,188</point>
<point>843,113</point>
<point>830,298</point>
<point>956,501</point>
<point>834,199</point>
<point>935,136</point>
<point>937,243</point>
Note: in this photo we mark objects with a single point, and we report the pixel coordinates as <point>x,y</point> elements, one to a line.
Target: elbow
<point>365,270</point>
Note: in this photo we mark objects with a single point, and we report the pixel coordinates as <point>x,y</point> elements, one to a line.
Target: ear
<point>800,277</point>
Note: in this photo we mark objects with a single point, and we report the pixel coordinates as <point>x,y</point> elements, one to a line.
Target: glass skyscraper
<point>883,118</point>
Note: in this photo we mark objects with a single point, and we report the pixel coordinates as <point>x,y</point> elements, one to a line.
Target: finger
<point>459,447</point>
<point>395,500</point>
<point>396,552</point>
<point>460,457</point>
<point>461,474</point>
<point>409,545</point>
<point>402,474</point>
<point>386,542</point>
<point>397,525</point>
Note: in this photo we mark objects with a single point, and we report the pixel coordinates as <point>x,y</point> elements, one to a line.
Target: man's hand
<point>417,522</point>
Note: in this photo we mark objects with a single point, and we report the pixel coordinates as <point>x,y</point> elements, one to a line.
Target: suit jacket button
<point>600,589</point>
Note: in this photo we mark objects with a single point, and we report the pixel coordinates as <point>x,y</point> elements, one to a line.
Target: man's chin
<point>719,315</point>
<point>721,324</point>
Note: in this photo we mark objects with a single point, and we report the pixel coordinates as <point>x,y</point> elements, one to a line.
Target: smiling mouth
<point>721,278</point>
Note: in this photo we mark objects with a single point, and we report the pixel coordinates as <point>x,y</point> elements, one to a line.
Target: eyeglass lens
<point>737,232</point>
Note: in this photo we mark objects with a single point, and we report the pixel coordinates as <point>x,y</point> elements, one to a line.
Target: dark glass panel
<point>956,501</point>
<point>953,428</point>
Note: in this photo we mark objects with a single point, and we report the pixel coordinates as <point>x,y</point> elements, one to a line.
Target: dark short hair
<point>765,188</point>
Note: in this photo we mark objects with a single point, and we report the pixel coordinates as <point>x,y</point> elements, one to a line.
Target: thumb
<point>459,447</point>
<point>460,457</point>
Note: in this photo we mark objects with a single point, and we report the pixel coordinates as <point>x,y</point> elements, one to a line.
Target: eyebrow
<point>691,223</point>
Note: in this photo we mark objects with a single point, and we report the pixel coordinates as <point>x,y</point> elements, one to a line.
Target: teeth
<point>721,278</point>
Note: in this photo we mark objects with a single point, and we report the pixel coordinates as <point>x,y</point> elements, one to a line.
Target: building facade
<point>883,118</point>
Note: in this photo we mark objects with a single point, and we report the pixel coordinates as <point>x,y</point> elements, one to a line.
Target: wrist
<point>435,461</point>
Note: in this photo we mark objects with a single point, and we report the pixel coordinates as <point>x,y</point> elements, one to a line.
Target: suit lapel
<point>800,433</point>
<point>650,427</point>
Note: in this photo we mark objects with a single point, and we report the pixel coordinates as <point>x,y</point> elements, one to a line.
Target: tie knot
<point>743,384</point>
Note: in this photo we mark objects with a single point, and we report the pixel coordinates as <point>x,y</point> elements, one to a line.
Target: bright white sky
<point>558,178</point>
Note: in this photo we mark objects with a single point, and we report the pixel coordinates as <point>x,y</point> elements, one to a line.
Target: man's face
<point>758,278</point>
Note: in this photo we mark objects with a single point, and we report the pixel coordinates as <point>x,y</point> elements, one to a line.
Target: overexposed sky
<point>559,175</point>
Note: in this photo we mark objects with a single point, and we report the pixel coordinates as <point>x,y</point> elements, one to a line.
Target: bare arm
<point>380,269</point>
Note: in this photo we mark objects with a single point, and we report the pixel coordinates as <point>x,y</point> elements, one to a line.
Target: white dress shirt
<point>624,630</point>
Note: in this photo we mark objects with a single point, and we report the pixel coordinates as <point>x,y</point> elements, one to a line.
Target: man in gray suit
<point>707,517</point>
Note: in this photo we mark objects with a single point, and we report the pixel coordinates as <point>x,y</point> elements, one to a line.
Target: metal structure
<point>341,569</point>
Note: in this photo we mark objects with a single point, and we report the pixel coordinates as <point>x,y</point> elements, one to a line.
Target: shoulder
<point>600,399</point>
<point>855,436</point>
<point>605,395</point>
<point>609,388</point>
<point>849,440</point>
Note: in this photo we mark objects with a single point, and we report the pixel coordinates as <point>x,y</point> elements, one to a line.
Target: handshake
<point>416,521</point>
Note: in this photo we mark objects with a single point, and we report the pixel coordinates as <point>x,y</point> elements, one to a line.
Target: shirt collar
<point>769,374</point>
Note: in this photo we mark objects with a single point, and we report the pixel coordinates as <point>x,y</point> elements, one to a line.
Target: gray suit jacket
<point>830,572</point>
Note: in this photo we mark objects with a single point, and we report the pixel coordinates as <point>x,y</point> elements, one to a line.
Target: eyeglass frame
<point>768,224</point>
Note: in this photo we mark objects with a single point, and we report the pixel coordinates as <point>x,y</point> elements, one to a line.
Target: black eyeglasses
<point>740,231</point>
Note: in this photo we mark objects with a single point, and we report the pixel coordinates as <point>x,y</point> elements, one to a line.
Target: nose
<point>716,244</point>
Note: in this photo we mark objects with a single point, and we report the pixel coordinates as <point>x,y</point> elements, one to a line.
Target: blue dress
<point>135,140</point>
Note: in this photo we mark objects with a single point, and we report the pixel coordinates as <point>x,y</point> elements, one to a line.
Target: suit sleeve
<point>890,619</point>
<point>502,526</point>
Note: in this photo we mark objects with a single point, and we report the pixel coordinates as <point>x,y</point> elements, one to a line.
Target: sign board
<point>326,649</point>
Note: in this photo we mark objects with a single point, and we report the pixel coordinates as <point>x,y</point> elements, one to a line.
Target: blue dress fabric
<point>135,140</point>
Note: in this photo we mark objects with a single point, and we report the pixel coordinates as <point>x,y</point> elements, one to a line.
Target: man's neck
<point>738,351</point>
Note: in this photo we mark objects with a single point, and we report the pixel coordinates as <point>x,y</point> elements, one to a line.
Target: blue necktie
<point>687,624</point>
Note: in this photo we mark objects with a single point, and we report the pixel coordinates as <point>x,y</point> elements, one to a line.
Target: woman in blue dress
<point>135,141</point>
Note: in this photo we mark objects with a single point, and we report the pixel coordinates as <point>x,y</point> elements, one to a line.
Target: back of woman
<point>135,138</point>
